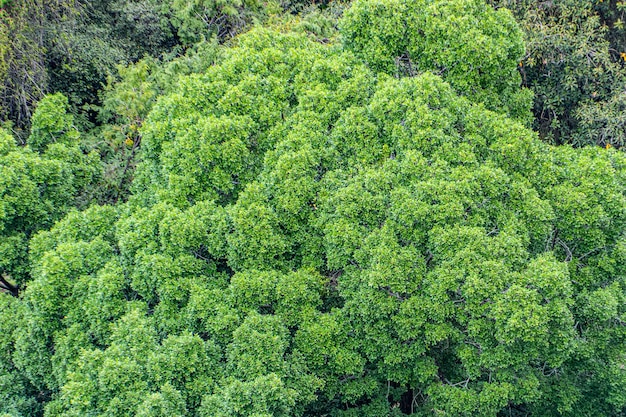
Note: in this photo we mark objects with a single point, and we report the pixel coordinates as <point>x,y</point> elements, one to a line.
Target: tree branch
<point>8,287</point>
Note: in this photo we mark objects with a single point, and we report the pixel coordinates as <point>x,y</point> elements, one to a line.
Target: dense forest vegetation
<point>246,208</point>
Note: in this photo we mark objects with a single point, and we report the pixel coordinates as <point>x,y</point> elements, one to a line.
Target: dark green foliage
<point>98,36</point>
<point>23,74</point>
<point>574,64</point>
<point>202,19</point>
<point>73,46</point>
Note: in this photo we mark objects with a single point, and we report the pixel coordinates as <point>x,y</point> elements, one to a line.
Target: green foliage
<point>52,123</point>
<point>19,397</point>
<point>309,235</point>
<point>73,47</point>
<point>36,189</point>
<point>472,46</point>
<point>202,19</point>
<point>167,402</point>
<point>574,66</point>
<point>22,63</point>
<point>126,101</point>
<point>603,122</point>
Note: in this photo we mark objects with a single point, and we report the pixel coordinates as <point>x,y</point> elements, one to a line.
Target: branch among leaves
<point>6,286</point>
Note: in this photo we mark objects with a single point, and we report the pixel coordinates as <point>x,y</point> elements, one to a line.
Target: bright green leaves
<point>36,189</point>
<point>16,393</point>
<point>254,242</point>
<point>590,208</point>
<point>114,380</point>
<point>294,297</point>
<point>428,217</point>
<point>265,396</point>
<point>383,44</point>
<point>258,347</point>
<point>52,123</point>
<point>473,47</point>
<point>214,146</point>
<point>137,373</point>
<point>61,295</point>
<point>208,140</point>
<point>166,402</point>
<point>307,235</point>
<point>534,313</point>
<point>188,364</point>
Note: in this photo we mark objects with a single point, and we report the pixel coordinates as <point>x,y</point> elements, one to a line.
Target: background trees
<point>72,46</point>
<point>575,65</point>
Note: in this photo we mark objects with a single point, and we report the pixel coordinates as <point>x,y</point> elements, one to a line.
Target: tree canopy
<point>320,223</point>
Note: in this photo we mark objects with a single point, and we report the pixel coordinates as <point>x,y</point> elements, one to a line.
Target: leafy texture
<point>310,234</point>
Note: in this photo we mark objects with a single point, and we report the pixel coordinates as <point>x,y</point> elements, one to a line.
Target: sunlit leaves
<point>307,235</point>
